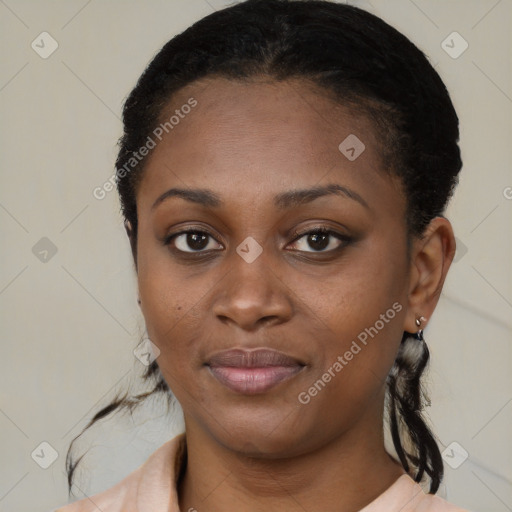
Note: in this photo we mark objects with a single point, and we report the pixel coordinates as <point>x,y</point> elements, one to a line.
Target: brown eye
<point>319,240</point>
<point>193,241</point>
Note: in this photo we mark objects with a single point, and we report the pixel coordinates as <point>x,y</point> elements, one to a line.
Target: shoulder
<point>431,503</point>
<point>146,488</point>
<point>407,496</point>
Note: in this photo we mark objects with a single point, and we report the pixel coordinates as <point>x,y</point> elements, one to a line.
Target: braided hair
<point>406,401</point>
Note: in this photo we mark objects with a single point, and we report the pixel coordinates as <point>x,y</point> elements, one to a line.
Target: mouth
<point>252,372</point>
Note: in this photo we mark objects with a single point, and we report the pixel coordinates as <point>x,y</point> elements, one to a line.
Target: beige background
<point>70,324</point>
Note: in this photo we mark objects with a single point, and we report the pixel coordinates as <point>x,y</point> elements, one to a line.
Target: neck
<point>346,473</point>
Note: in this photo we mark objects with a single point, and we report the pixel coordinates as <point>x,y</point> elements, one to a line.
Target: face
<point>272,269</point>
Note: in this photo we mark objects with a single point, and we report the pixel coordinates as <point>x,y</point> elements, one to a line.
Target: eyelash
<point>297,235</point>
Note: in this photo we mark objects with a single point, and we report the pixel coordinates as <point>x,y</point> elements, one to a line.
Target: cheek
<point>173,306</point>
<point>165,299</point>
<point>168,309</point>
<point>164,294</point>
<point>354,295</point>
<point>363,305</point>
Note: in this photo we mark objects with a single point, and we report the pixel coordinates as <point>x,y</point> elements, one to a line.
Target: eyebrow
<point>290,199</point>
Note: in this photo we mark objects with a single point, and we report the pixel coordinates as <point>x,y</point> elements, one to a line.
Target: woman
<point>283,174</point>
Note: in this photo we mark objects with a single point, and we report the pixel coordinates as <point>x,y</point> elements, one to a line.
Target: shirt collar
<point>157,486</point>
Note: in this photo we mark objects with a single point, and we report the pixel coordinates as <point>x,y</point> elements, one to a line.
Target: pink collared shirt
<point>152,488</point>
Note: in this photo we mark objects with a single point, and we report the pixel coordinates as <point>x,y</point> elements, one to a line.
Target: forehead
<point>262,136</point>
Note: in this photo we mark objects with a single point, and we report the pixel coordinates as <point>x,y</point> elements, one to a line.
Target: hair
<point>360,62</point>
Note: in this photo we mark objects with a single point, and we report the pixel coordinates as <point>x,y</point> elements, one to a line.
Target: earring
<point>419,321</point>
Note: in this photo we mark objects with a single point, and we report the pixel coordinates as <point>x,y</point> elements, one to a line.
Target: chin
<point>257,436</point>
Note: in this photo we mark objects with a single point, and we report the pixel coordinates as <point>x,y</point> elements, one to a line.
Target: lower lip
<point>251,381</point>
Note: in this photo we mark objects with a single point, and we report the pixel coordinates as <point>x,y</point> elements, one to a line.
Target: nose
<point>252,295</point>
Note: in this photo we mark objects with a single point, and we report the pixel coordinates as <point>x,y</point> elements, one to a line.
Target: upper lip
<point>255,358</point>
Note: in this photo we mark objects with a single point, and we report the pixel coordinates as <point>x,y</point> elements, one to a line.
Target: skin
<point>248,142</point>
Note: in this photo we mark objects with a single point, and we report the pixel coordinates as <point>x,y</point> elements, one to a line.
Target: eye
<point>319,240</point>
<point>192,241</point>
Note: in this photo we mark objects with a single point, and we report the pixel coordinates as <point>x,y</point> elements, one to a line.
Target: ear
<point>133,241</point>
<point>431,257</point>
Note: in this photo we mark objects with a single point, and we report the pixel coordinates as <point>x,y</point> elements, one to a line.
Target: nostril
<point>266,320</point>
<point>224,319</point>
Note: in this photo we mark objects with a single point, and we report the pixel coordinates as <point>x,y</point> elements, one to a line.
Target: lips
<point>252,372</point>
